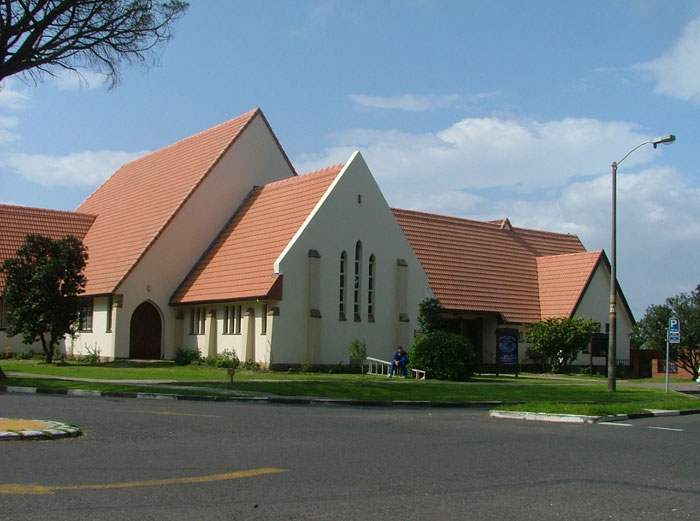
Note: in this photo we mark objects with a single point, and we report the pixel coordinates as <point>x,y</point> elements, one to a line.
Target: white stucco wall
<point>233,342</point>
<point>595,304</point>
<point>254,159</point>
<point>99,338</point>
<point>338,222</point>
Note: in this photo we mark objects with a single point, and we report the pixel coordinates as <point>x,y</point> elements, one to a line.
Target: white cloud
<point>677,72</point>
<point>407,102</point>
<point>79,169</point>
<point>480,153</point>
<point>7,123</point>
<point>12,97</point>
<point>85,80</point>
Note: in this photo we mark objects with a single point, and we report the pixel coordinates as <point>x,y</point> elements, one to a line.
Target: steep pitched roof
<point>483,266</point>
<point>138,201</point>
<point>240,262</point>
<point>18,221</point>
<point>563,280</point>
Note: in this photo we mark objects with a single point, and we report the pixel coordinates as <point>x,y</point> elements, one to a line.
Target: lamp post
<point>612,346</point>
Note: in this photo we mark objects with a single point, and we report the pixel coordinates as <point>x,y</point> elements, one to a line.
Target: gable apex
<point>140,200</point>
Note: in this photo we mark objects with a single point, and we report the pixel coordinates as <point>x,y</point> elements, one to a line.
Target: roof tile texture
<point>562,279</point>
<point>483,266</point>
<point>240,263</point>
<point>138,200</point>
<point>18,221</point>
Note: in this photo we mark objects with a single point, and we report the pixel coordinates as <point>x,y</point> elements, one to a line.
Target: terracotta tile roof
<point>240,263</point>
<point>138,201</point>
<point>562,279</point>
<point>18,221</point>
<point>483,266</point>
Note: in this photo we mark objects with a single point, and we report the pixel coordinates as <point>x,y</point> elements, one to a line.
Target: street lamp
<point>612,346</point>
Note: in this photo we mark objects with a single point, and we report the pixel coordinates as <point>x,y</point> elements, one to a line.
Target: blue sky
<point>470,108</point>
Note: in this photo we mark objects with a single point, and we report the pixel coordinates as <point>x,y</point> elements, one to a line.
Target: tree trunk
<point>48,350</point>
<point>2,374</point>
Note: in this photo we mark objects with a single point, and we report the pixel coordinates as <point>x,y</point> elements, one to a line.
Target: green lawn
<point>544,394</point>
<point>479,389</point>
<point>46,383</point>
<point>165,370</point>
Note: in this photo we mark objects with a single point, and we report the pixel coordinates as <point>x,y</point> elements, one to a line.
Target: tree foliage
<point>444,356</point>
<point>650,332</point>
<point>559,340</point>
<point>358,351</point>
<point>42,287</point>
<point>39,37</point>
<point>430,315</point>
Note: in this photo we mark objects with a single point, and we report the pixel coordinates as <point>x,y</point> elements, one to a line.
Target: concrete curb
<point>53,431</point>
<point>280,400</point>
<point>579,418</point>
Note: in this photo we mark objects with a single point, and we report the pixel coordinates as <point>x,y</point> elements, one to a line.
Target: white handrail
<point>379,366</point>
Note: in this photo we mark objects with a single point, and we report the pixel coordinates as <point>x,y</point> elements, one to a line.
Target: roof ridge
<point>445,217</point>
<point>247,115</point>
<point>325,168</point>
<point>591,253</point>
<point>543,232</point>
<point>47,210</point>
<point>303,177</point>
<point>494,222</point>
<point>248,118</point>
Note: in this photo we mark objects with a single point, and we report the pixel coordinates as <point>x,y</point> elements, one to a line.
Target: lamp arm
<point>649,142</point>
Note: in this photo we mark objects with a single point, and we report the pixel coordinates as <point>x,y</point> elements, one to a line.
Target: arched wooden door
<point>146,327</point>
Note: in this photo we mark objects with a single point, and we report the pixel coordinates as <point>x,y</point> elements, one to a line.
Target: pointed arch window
<point>357,280</point>
<point>341,284</point>
<point>371,268</point>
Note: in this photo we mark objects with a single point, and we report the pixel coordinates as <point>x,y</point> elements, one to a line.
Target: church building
<point>215,242</point>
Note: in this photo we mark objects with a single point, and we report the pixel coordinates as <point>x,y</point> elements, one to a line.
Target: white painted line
<point>616,424</point>
<point>666,429</point>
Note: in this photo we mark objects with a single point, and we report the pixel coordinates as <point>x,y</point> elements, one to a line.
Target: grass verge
<point>47,383</point>
<point>530,394</point>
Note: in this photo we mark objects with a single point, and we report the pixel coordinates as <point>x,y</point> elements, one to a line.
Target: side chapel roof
<point>240,263</point>
<point>495,267</point>
<point>18,221</point>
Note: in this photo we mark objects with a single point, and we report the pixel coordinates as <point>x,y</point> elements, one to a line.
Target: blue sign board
<point>674,330</point>
<point>507,349</point>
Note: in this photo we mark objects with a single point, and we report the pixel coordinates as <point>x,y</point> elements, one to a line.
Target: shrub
<point>27,354</point>
<point>225,360</point>
<point>430,315</point>
<point>92,356</point>
<point>358,351</point>
<point>621,371</point>
<point>306,367</point>
<point>559,340</point>
<point>251,366</point>
<point>444,356</point>
<point>186,355</point>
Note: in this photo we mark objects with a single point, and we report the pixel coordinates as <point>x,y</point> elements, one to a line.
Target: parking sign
<point>674,330</point>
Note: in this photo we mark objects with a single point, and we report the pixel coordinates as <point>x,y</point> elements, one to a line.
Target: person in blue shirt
<point>400,360</point>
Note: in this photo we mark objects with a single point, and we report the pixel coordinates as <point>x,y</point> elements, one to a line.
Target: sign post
<point>673,336</point>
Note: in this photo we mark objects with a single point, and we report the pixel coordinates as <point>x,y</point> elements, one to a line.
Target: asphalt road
<point>150,459</point>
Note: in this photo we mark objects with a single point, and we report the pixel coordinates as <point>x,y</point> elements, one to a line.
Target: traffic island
<point>20,429</point>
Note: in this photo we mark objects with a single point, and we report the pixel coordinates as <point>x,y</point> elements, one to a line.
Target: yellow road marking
<point>35,488</point>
